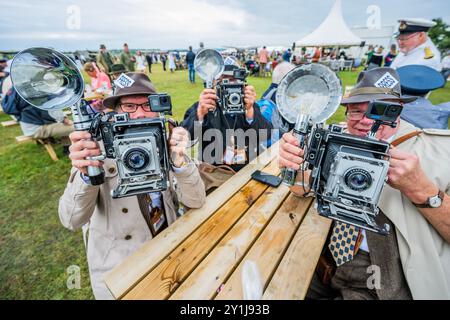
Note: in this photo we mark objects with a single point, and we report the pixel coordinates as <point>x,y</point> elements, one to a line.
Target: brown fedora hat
<point>377,84</point>
<point>141,85</point>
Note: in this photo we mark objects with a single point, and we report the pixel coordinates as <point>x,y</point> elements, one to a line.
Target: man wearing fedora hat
<point>118,227</point>
<point>413,260</point>
<point>415,46</point>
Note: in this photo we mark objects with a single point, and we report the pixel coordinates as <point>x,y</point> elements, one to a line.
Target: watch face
<point>435,202</point>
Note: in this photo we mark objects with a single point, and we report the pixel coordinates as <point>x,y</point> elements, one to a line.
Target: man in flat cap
<point>415,45</point>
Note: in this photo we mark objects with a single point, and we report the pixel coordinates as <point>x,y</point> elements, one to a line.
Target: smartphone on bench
<point>266,178</point>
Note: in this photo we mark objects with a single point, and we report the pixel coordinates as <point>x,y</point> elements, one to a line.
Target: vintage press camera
<point>231,95</point>
<point>349,172</point>
<point>49,80</point>
<point>139,147</point>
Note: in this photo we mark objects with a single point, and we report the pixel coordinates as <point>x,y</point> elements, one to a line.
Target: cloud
<point>178,23</point>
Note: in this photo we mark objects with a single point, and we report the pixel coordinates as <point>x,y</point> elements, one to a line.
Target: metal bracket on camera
<point>359,218</point>
<point>376,126</point>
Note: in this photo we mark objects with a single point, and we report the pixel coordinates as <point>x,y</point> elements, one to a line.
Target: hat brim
<point>369,97</point>
<point>117,72</point>
<point>111,102</point>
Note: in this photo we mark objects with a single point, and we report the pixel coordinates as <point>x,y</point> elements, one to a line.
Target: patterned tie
<point>154,216</point>
<point>343,242</point>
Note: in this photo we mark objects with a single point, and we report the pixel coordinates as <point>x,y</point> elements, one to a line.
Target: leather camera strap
<point>405,137</point>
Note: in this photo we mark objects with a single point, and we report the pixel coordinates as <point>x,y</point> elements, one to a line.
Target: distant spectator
<point>164,61</point>
<point>369,53</point>
<point>104,59</point>
<point>263,60</point>
<point>343,55</point>
<point>98,78</point>
<point>190,57</point>
<point>376,60</point>
<point>100,83</point>
<point>150,57</point>
<point>316,56</point>
<point>390,56</point>
<point>140,62</point>
<point>172,65</point>
<point>127,59</point>
<point>287,55</point>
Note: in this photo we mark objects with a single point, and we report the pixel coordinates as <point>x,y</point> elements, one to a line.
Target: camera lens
<point>163,100</point>
<point>358,179</point>
<point>136,159</point>
<point>393,111</point>
<point>234,98</point>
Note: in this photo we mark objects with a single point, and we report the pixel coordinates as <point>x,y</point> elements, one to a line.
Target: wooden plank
<point>125,276</point>
<point>293,276</point>
<point>24,139</point>
<point>9,123</point>
<point>223,259</point>
<point>270,247</point>
<point>174,269</point>
<point>50,150</point>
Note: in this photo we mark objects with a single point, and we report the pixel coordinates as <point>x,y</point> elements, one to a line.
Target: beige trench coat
<point>117,227</point>
<point>425,255</point>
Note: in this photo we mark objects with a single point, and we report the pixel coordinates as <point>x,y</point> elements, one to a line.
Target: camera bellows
<point>343,242</point>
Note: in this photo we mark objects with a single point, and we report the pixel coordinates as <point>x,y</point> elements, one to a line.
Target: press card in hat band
<point>124,81</point>
<point>386,81</point>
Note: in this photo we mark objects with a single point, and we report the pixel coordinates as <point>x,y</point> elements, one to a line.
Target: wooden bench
<point>47,145</point>
<point>9,123</point>
<point>202,254</point>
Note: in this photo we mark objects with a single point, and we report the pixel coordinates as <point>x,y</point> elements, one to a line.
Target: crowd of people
<point>414,258</point>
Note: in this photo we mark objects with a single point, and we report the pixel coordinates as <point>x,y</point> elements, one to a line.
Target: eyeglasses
<point>402,37</point>
<point>132,107</point>
<point>355,115</point>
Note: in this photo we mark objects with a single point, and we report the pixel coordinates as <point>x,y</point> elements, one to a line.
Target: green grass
<point>36,249</point>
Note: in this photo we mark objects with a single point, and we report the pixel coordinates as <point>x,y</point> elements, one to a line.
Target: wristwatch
<point>432,202</point>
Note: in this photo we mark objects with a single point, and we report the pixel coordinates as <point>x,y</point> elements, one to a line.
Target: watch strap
<point>427,204</point>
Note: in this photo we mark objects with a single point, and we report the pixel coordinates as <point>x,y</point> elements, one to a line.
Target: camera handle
<point>376,126</point>
<point>300,131</point>
<point>82,121</point>
<point>209,84</point>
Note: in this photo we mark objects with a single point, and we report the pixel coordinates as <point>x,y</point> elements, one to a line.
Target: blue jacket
<point>424,115</point>
<point>190,57</point>
<point>14,105</point>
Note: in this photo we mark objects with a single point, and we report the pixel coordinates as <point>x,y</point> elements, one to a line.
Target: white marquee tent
<point>332,32</point>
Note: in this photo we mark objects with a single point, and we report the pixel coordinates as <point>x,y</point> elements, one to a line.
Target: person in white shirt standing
<point>415,46</point>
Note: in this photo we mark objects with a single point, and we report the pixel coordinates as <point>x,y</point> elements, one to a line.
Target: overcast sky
<point>168,24</point>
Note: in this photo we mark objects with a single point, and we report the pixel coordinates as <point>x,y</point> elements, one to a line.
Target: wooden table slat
<point>270,247</point>
<point>172,271</point>
<point>223,259</point>
<point>293,276</point>
<point>128,273</point>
